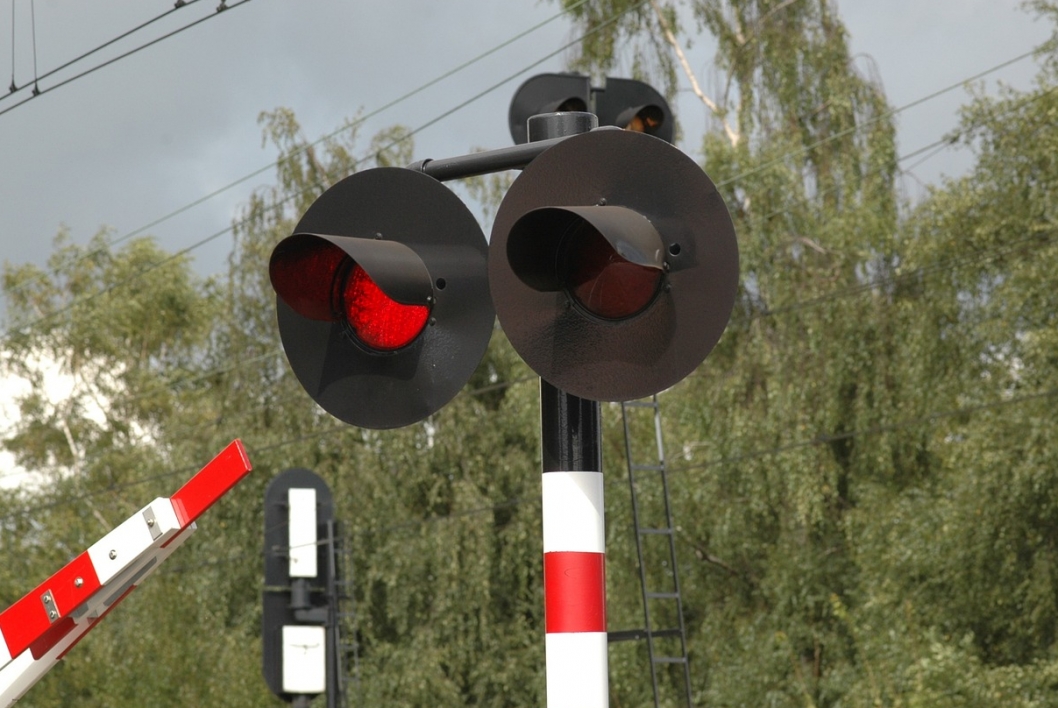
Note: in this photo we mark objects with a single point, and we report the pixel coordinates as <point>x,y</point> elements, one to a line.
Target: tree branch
<point>670,37</point>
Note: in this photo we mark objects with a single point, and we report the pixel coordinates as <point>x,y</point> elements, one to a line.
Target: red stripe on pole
<point>574,592</point>
<point>212,481</point>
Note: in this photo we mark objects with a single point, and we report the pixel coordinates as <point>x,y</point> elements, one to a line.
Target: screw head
<point>78,582</point>
<point>53,615</point>
<point>113,554</point>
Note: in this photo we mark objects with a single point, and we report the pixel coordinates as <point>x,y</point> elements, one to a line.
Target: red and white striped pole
<point>574,552</point>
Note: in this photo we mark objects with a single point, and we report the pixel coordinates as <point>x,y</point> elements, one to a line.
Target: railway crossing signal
<point>612,267</point>
<point>382,297</point>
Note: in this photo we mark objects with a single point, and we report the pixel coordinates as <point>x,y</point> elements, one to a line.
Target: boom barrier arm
<point>38,630</point>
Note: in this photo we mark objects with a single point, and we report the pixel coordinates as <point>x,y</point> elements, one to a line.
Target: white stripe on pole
<point>577,671</point>
<point>573,512</point>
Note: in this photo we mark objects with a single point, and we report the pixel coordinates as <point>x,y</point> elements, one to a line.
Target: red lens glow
<point>603,282</point>
<point>379,321</point>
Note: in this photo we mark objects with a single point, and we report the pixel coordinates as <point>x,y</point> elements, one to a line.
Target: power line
<point>941,266</point>
<point>97,67</point>
<point>387,146</point>
<point>143,25</point>
<point>458,107</point>
<point>480,95</point>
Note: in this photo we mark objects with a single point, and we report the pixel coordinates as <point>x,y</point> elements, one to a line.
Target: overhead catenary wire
<point>885,115</point>
<point>40,92</point>
<point>14,89</point>
<point>464,104</point>
<point>291,197</point>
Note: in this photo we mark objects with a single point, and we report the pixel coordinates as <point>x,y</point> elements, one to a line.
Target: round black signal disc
<point>624,359</point>
<point>392,389</point>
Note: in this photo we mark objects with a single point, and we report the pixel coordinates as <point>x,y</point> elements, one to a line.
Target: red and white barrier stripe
<point>38,630</point>
<point>575,590</point>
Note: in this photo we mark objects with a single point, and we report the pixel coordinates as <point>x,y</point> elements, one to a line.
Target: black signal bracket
<point>487,161</point>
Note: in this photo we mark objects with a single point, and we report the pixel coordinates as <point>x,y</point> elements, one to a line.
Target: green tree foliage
<point>866,483</point>
<point>864,475</point>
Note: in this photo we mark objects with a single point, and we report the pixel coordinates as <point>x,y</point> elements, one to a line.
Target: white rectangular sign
<point>303,552</point>
<point>304,659</point>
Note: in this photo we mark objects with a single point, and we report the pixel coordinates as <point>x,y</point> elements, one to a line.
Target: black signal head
<point>382,297</point>
<point>547,93</point>
<point>635,106</point>
<point>613,265</point>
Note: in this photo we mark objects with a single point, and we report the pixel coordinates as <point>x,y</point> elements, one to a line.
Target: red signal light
<point>379,321</point>
<point>319,281</point>
<point>601,280</point>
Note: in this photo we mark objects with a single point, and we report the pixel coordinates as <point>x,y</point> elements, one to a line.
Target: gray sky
<point>152,133</point>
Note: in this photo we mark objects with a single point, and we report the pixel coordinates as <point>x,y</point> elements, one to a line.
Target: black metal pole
<point>569,431</point>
